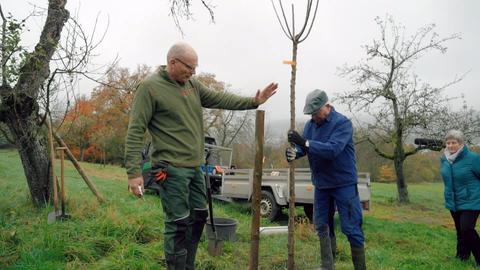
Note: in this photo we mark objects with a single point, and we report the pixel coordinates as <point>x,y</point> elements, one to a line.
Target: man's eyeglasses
<point>186,65</point>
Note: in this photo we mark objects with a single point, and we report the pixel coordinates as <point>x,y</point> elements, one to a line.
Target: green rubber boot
<point>358,258</point>
<point>326,255</point>
<point>176,261</point>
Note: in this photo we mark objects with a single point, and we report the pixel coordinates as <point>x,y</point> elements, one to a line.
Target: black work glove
<point>296,138</point>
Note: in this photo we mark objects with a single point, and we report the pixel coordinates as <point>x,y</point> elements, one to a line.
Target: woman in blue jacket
<point>460,170</point>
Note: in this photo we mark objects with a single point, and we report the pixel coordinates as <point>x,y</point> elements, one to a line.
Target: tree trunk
<point>399,156</point>
<point>401,183</point>
<point>291,181</point>
<point>82,152</point>
<point>31,144</point>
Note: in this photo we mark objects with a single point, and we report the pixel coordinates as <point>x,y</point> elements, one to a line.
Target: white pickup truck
<point>236,185</point>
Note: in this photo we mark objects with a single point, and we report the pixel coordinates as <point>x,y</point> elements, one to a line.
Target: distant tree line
<point>95,127</point>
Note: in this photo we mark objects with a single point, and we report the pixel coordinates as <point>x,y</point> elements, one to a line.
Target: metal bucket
<point>225,229</point>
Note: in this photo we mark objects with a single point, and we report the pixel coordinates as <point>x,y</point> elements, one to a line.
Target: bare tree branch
<point>378,151</point>
<point>285,29</point>
<point>209,9</point>
<point>311,23</point>
<point>181,9</point>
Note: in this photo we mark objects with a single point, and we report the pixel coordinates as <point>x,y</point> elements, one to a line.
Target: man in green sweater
<point>169,104</point>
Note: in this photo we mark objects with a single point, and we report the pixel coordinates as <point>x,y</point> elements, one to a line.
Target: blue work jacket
<point>331,153</point>
<point>462,181</point>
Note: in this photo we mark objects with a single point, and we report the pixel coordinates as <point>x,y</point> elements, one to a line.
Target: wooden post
<point>257,189</point>
<point>79,169</point>
<point>52,164</point>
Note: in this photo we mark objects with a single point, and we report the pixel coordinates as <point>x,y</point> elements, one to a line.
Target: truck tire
<point>308,210</point>
<point>268,207</point>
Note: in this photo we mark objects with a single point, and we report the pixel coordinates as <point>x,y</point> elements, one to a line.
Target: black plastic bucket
<point>225,227</point>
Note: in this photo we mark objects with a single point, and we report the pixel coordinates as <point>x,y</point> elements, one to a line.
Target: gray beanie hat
<point>315,100</point>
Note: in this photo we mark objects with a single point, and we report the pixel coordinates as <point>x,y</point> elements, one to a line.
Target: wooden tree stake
<point>257,189</point>
<point>79,169</point>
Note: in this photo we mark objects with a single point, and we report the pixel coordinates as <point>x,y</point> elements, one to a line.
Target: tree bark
<point>401,183</point>
<point>34,156</point>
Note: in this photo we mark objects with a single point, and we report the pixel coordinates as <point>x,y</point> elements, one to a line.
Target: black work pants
<point>468,241</point>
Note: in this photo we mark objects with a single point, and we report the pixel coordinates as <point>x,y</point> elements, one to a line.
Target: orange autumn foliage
<point>95,128</point>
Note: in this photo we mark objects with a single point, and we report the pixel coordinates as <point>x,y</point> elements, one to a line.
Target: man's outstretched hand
<point>262,96</point>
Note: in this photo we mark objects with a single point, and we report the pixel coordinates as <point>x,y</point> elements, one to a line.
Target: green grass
<point>126,233</point>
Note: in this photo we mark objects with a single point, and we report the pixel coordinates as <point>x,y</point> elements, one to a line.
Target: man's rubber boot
<point>191,254</point>
<point>326,255</point>
<point>333,245</point>
<point>176,261</point>
<point>193,237</point>
<point>358,258</point>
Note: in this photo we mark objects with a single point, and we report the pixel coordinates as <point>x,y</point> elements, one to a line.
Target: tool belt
<point>159,171</point>
<point>156,175</point>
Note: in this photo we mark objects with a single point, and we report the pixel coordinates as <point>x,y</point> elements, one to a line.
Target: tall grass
<point>126,233</point>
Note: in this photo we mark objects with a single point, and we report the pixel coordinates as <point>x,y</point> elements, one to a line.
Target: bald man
<point>169,104</point>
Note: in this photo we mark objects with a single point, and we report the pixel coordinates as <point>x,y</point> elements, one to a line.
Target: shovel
<point>214,245</point>
<point>63,215</point>
<point>53,215</point>
<point>60,215</point>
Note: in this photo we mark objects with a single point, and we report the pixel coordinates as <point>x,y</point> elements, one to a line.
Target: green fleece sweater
<point>173,115</point>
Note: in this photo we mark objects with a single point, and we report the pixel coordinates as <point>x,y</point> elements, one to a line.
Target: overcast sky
<point>245,47</point>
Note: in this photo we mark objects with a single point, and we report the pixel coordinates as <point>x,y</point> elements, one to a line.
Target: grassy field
<point>126,233</point>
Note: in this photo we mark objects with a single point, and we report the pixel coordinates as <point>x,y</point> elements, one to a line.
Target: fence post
<point>256,189</point>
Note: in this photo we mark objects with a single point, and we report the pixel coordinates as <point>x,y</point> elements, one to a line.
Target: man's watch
<point>307,144</point>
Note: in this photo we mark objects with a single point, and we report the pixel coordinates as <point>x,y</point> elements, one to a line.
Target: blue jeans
<point>348,205</point>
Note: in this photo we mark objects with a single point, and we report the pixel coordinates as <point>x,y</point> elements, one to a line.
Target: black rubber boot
<point>326,255</point>
<point>333,245</point>
<point>176,258</point>
<point>191,254</point>
<point>473,242</point>
<point>176,261</point>
<point>358,258</point>
<point>194,235</point>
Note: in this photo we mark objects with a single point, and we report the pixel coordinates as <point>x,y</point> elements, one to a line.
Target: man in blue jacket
<point>328,142</point>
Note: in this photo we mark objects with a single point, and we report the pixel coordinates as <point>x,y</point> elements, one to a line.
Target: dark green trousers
<point>184,205</point>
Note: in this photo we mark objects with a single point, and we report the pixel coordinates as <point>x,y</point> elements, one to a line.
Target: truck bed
<point>238,184</point>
